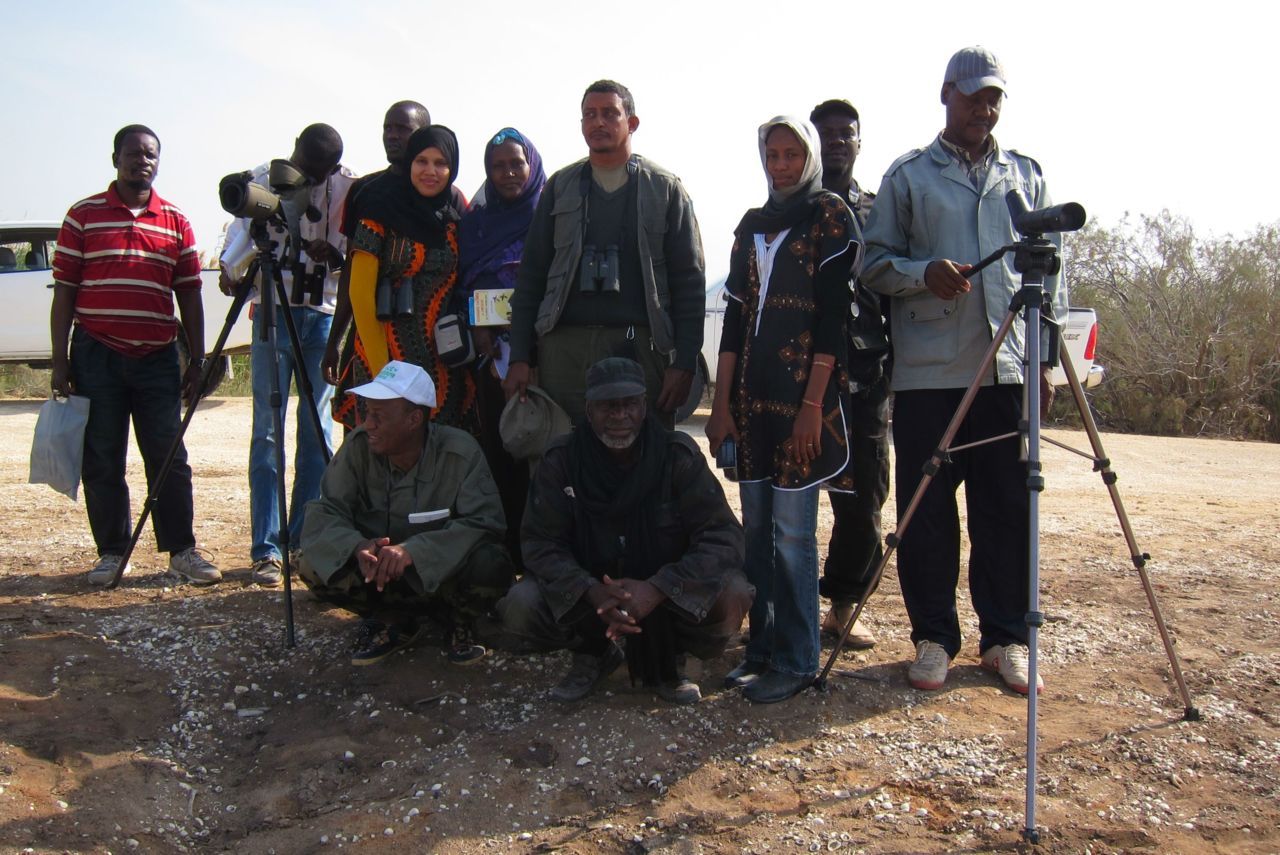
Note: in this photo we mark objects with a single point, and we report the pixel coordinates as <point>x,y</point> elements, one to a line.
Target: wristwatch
<point>196,363</point>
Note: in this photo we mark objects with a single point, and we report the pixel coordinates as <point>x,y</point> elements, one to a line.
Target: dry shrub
<point>1189,328</point>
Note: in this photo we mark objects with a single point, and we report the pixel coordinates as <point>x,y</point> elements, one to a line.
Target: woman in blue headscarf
<point>490,242</point>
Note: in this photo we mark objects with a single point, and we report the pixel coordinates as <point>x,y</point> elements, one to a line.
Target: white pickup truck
<point>26,283</point>
<point>1081,336</point>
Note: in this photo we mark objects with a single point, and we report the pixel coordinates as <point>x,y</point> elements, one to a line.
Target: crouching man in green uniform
<point>408,529</point>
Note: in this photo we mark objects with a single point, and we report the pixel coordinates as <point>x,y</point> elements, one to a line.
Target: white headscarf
<point>811,179</point>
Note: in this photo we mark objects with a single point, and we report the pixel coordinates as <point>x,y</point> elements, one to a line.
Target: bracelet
<point>817,404</point>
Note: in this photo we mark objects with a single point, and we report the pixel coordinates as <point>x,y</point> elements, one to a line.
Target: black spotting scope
<point>1056,218</point>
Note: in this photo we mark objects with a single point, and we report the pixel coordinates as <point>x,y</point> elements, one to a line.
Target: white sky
<point>1131,107</point>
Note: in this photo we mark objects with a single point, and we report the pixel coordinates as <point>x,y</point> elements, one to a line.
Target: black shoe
<point>463,647</point>
<point>745,674</point>
<point>585,672</point>
<point>383,640</point>
<point>681,690</point>
<point>774,686</point>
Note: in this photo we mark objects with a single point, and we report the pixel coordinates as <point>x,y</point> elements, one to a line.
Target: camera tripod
<point>271,276</point>
<point>1034,258</point>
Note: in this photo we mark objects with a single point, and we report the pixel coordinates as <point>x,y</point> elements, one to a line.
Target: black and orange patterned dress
<point>431,269</point>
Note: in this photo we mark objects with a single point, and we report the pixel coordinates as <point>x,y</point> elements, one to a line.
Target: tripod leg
<point>306,393</point>
<point>233,313</point>
<point>1139,558</point>
<point>269,309</point>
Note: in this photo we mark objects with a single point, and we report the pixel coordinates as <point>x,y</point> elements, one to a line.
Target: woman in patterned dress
<point>783,395</point>
<point>408,239</point>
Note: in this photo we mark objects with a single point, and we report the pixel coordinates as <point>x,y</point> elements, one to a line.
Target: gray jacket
<point>671,262</point>
<point>927,209</point>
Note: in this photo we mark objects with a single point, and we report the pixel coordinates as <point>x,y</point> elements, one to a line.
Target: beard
<point>618,443</point>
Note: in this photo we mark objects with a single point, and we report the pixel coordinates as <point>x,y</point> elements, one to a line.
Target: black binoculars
<point>308,284</point>
<point>599,271</point>
<point>393,299</point>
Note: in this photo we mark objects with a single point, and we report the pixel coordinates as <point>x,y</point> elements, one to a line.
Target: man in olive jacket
<point>627,537</point>
<point>612,266</point>
<point>409,525</point>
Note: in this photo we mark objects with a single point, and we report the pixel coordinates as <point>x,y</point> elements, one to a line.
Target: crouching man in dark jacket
<point>627,540</point>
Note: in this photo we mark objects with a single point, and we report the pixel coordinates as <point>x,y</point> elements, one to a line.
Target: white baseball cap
<point>400,380</point>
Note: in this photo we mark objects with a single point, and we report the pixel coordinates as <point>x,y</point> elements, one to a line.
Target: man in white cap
<point>941,209</point>
<point>408,528</point>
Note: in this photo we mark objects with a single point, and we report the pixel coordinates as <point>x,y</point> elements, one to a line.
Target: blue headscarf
<point>491,235</point>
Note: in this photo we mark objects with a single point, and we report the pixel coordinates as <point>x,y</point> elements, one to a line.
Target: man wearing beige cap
<point>408,528</point>
<point>940,210</point>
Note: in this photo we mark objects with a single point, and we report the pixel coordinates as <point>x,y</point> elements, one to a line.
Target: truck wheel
<point>696,391</point>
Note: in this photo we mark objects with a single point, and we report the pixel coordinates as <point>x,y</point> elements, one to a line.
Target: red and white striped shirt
<point>126,268</point>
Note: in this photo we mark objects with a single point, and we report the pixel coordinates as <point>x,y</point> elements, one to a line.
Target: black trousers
<point>148,390</point>
<point>855,549</point>
<point>998,508</point>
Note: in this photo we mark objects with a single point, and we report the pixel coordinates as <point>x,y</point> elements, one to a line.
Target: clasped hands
<point>623,603</point>
<point>381,562</point>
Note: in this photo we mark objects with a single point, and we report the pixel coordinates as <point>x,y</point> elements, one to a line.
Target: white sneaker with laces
<point>1013,663</point>
<point>929,671</point>
<point>194,567</point>
<point>105,570</point>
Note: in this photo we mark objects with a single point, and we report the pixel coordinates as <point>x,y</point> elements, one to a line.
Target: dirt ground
<point>161,718</point>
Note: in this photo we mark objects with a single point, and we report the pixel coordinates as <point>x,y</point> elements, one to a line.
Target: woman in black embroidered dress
<point>783,396</point>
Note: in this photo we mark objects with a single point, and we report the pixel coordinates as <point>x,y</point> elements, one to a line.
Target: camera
<point>241,197</point>
<point>598,273</point>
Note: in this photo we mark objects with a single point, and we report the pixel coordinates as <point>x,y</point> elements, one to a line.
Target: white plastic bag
<point>58,448</point>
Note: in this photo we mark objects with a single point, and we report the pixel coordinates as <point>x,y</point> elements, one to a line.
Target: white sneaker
<point>105,570</point>
<point>194,567</point>
<point>1012,663</point>
<point>929,671</point>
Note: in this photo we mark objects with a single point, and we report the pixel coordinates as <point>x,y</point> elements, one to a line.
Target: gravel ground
<point>166,718</point>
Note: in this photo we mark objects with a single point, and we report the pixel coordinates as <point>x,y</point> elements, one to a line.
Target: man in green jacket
<point>408,528</point>
<point>612,266</point>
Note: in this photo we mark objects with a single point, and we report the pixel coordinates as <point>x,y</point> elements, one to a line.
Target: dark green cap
<point>615,377</point>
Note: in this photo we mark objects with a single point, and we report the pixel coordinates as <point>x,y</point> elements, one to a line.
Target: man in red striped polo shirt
<point>123,257</point>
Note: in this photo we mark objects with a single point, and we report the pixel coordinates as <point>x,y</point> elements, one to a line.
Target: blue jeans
<point>148,389</point>
<point>782,562</point>
<point>308,462</point>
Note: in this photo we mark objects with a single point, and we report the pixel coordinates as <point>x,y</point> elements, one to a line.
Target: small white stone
<point>388,832</point>
<point>524,835</point>
<point>324,839</point>
<point>347,755</point>
<point>241,690</point>
<point>584,761</point>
